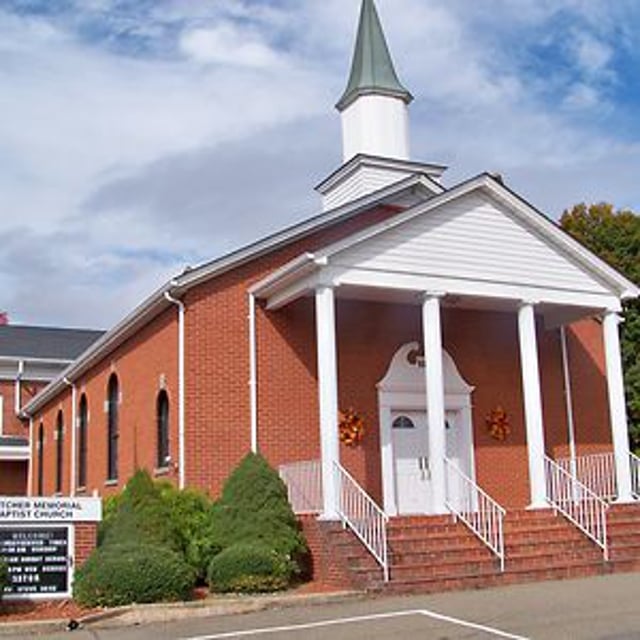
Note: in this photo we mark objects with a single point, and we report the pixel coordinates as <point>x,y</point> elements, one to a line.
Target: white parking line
<point>343,621</point>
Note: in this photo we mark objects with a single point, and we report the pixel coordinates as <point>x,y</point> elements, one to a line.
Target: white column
<point>532,404</point>
<point>386,457</point>
<point>328,396</point>
<point>432,335</point>
<point>617,408</point>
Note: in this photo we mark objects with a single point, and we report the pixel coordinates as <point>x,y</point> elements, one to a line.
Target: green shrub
<point>139,515</point>
<point>191,515</point>
<point>4,576</point>
<point>249,568</point>
<point>122,574</point>
<point>254,508</point>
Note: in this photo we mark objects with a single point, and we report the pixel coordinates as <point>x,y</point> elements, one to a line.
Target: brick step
<point>517,562</point>
<point>435,544</point>
<point>623,528</point>
<point>410,556</point>
<point>420,520</point>
<point>442,570</point>
<point>487,579</point>
<point>554,524</point>
<point>624,540</point>
<point>557,547</point>
<point>449,528</point>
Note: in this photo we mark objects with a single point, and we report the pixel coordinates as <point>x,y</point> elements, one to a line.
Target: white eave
<point>15,453</point>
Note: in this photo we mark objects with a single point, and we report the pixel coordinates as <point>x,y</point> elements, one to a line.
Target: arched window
<point>403,422</point>
<point>113,397</point>
<point>59,450</point>
<point>83,422</point>
<point>162,420</point>
<point>41,459</point>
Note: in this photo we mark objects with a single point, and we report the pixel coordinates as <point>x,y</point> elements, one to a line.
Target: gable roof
<point>415,188</point>
<point>23,342</point>
<point>528,215</point>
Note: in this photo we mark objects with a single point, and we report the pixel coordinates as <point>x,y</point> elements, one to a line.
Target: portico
<point>423,260</point>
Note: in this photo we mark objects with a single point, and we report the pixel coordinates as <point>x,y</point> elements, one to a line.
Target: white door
<point>455,453</point>
<point>411,461</point>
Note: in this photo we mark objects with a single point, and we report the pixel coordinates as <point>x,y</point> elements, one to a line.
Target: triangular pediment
<point>474,237</point>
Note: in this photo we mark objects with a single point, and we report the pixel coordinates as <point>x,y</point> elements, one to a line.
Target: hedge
<point>122,574</point>
<point>251,568</point>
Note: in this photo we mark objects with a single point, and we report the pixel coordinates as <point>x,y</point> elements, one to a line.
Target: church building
<point>413,352</point>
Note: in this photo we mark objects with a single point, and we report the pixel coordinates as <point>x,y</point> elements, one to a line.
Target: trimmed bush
<point>249,568</point>
<point>139,515</point>
<point>4,576</point>
<point>122,574</point>
<point>254,510</point>
<point>191,515</point>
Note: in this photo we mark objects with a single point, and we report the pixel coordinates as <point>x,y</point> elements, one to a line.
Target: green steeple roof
<point>372,69</point>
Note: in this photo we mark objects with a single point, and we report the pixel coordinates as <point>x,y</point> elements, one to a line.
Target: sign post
<point>38,543</point>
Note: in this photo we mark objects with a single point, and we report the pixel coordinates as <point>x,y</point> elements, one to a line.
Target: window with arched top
<point>403,422</point>
<point>59,437</point>
<point>162,421</point>
<point>83,424</point>
<point>41,459</point>
<point>113,400</point>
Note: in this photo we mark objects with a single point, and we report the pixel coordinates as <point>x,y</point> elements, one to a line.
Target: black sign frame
<point>35,558</point>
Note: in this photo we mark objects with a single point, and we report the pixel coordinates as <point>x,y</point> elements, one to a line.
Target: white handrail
<point>358,511</point>
<point>304,485</point>
<point>634,462</point>
<point>597,471</point>
<point>574,500</point>
<point>476,508</point>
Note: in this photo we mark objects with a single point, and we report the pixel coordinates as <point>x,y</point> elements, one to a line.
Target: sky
<point>138,136</point>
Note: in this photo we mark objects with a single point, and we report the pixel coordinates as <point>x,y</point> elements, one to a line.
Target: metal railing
<point>634,463</point>
<point>304,485</point>
<point>358,512</point>
<point>597,471</point>
<point>476,508</point>
<point>578,503</point>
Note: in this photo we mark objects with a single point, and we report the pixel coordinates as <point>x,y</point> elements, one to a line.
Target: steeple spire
<point>372,70</point>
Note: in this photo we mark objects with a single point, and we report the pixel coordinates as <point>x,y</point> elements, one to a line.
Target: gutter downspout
<point>30,463</point>
<point>568,399</point>
<point>181,390</point>
<point>253,373</point>
<point>74,454</point>
<point>18,388</point>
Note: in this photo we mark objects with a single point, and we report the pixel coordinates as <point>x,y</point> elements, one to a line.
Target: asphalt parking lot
<point>603,608</point>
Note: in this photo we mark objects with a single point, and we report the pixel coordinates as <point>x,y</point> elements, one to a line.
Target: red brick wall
<point>140,363</point>
<point>217,347</point>
<point>13,477</point>
<point>12,425</point>
<point>86,539</point>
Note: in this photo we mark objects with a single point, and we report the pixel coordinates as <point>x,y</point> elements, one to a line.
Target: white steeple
<point>374,106</point>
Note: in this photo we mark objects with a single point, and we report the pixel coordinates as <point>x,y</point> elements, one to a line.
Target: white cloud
<point>227,44</point>
<point>118,166</point>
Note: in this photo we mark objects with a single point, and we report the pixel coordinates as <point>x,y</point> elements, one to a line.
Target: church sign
<point>37,542</point>
<point>50,510</point>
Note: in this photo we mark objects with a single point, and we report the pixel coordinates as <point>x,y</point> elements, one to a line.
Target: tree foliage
<point>615,237</point>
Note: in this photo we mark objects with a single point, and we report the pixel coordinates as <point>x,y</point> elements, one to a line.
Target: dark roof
<point>13,441</point>
<point>18,341</point>
<point>372,70</point>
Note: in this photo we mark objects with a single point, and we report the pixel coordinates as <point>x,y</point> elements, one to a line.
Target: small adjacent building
<point>30,357</point>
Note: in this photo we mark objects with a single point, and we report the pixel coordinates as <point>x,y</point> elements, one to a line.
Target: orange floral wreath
<point>351,427</point>
<point>498,424</point>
